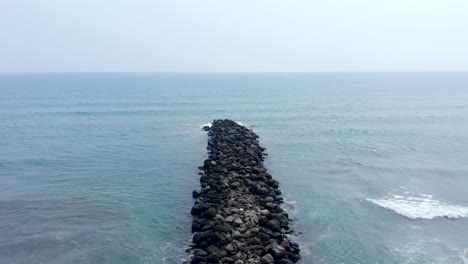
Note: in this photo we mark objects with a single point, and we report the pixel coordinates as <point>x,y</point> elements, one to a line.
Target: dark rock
<point>212,258</point>
<point>229,219</point>
<point>277,235</point>
<point>195,227</point>
<point>199,208</point>
<point>262,191</point>
<point>267,259</point>
<point>212,249</point>
<point>284,261</point>
<point>216,236</point>
<point>200,253</point>
<point>209,225</point>
<point>228,260</point>
<point>264,237</point>
<point>222,254</point>
<point>294,257</point>
<point>262,220</point>
<point>273,225</point>
<point>278,252</point>
<point>197,238</point>
<point>236,234</point>
<point>272,244</point>
<point>222,228</point>
<point>198,260</point>
<point>285,244</point>
<point>238,221</point>
<point>210,213</point>
<point>294,247</point>
<point>229,248</point>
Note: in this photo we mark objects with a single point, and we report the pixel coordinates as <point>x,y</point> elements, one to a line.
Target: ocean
<point>99,168</point>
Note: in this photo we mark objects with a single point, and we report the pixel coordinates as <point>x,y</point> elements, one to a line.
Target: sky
<point>233,35</point>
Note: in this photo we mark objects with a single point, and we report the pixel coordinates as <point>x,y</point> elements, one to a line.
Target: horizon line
<point>230,72</point>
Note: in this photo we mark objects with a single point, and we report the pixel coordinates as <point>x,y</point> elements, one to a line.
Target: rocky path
<point>237,216</point>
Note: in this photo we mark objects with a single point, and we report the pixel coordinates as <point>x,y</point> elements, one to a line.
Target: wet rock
<point>278,252</point>
<point>285,244</point>
<point>198,260</point>
<point>200,252</point>
<point>196,194</point>
<point>196,227</point>
<point>294,257</point>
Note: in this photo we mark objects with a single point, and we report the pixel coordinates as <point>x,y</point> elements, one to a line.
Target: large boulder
<point>210,213</point>
<point>278,252</point>
<point>274,225</point>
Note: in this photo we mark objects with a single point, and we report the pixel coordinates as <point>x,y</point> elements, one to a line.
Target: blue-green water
<point>99,168</point>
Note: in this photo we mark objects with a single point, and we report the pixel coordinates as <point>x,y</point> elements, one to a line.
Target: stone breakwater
<point>237,216</point>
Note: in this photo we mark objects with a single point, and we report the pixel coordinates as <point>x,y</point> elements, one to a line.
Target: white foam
<point>420,206</point>
<point>210,124</point>
<point>204,125</point>
<point>464,255</point>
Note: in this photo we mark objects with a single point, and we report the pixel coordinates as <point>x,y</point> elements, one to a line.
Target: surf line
<point>237,216</point>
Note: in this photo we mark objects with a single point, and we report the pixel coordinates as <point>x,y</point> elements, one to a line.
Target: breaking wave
<point>209,124</point>
<point>420,206</point>
<point>204,125</point>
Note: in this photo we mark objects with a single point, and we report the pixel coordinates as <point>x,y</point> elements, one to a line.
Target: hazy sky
<point>234,35</point>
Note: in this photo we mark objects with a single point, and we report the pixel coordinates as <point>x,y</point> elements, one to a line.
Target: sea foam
<point>209,124</point>
<point>420,206</point>
<point>205,125</point>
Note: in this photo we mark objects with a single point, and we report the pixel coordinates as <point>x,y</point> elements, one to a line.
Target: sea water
<point>99,168</point>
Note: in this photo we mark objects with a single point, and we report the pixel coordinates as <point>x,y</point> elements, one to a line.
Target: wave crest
<point>204,125</point>
<point>210,124</point>
<point>420,206</point>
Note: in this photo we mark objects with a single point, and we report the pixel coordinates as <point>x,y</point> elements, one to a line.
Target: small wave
<point>464,255</point>
<point>420,206</point>
<point>244,124</point>
<point>204,125</point>
<point>210,124</point>
<point>290,206</point>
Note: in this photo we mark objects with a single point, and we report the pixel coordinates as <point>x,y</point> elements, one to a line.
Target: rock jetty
<point>237,216</point>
